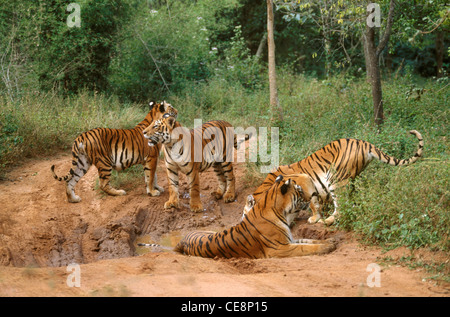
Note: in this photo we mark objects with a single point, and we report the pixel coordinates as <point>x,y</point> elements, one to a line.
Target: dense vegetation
<point>205,58</point>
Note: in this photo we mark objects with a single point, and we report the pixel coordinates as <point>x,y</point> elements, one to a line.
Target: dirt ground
<point>41,234</point>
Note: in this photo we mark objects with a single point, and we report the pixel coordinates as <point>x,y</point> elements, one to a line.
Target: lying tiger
<point>264,231</point>
<point>310,198</point>
<point>176,159</point>
<point>116,149</point>
<point>330,167</point>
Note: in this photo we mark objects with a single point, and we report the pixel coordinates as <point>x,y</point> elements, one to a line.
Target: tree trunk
<point>274,103</point>
<point>366,57</point>
<point>373,68</point>
<point>439,53</point>
<point>372,54</point>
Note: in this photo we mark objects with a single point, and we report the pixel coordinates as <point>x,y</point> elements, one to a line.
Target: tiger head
<point>159,131</point>
<point>157,110</point>
<point>284,197</point>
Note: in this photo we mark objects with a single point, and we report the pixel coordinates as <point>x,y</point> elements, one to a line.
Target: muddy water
<point>166,243</point>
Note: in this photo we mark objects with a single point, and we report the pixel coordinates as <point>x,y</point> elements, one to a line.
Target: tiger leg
<point>172,175</point>
<point>315,207</point>
<point>230,193</point>
<point>302,249</point>
<point>330,220</point>
<point>150,177</point>
<point>222,181</point>
<point>78,170</point>
<point>104,174</point>
<point>194,190</point>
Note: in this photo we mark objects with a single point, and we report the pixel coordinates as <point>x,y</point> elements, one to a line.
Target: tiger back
<point>263,233</point>
<point>115,149</point>
<point>335,164</point>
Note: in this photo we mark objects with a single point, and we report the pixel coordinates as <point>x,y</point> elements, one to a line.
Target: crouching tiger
<point>116,149</point>
<point>213,152</point>
<point>264,232</point>
<point>333,166</point>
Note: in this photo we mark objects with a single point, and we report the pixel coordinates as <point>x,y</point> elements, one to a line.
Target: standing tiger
<point>116,149</point>
<point>201,152</point>
<point>264,231</point>
<point>334,165</point>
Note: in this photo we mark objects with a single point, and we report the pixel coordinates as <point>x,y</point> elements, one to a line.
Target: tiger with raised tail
<point>192,153</point>
<point>263,233</point>
<point>333,166</point>
<point>116,149</point>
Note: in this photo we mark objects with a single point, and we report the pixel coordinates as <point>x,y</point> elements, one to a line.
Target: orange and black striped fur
<point>334,165</point>
<point>116,149</point>
<point>310,198</point>
<point>193,152</point>
<point>264,231</point>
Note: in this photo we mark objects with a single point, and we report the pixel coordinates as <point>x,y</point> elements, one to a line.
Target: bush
<point>405,206</point>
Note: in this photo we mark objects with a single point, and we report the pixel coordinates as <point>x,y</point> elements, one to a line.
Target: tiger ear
<point>162,107</point>
<point>285,187</point>
<point>171,121</point>
<point>151,104</point>
<point>279,178</point>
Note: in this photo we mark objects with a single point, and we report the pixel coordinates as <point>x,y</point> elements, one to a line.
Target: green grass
<point>40,124</point>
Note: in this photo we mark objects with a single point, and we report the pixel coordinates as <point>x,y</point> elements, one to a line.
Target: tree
<point>372,54</point>
<point>274,102</point>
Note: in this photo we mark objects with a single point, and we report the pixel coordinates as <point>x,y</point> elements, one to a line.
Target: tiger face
<point>290,198</point>
<point>160,130</point>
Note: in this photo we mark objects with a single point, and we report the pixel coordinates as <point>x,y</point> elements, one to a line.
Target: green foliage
<point>238,64</point>
<point>401,207</point>
<point>10,140</point>
<point>44,53</point>
<point>40,124</point>
<point>164,49</point>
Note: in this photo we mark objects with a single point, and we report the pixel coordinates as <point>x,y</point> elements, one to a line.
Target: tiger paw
<point>314,219</point>
<point>250,202</point>
<point>153,192</point>
<point>196,207</point>
<point>217,194</point>
<point>229,197</point>
<point>329,220</point>
<point>73,199</point>
<point>170,204</point>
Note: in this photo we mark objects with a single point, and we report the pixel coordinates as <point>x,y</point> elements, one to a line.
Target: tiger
<point>263,233</point>
<point>188,162</point>
<point>333,166</point>
<point>116,149</point>
<point>310,197</point>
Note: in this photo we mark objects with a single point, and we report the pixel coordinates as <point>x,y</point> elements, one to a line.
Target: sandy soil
<point>41,234</point>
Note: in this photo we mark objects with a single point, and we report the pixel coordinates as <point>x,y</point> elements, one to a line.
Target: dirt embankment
<point>41,234</point>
